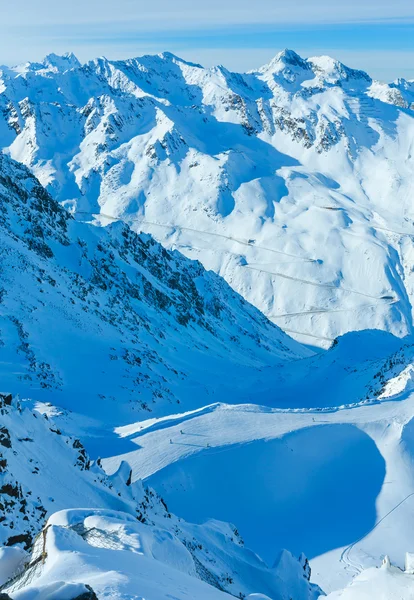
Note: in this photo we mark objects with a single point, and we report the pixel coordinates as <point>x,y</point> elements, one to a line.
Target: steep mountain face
<point>108,324</point>
<point>100,327</point>
<point>294,182</point>
<point>93,316</point>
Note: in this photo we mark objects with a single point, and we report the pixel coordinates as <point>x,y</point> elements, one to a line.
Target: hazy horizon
<point>375,37</point>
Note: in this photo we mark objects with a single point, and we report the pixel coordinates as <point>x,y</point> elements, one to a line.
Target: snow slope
<point>336,484</point>
<point>386,583</point>
<point>99,326</point>
<point>125,545</point>
<point>100,316</point>
<point>122,558</point>
<point>137,355</point>
<point>294,182</point>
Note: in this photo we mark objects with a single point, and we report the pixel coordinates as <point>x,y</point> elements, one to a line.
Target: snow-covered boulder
<point>57,591</point>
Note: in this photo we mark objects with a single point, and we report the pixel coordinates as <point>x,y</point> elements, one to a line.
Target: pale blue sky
<point>377,36</point>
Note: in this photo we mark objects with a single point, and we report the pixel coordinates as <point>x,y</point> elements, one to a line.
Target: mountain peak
<point>290,57</point>
<point>173,57</point>
<point>285,59</point>
<point>170,57</point>
<point>61,63</point>
<point>334,70</point>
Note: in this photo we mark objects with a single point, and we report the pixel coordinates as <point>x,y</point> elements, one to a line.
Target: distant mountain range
<point>294,182</point>
<point>147,403</point>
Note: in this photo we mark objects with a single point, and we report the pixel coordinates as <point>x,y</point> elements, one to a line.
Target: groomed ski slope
<point>316,481</point>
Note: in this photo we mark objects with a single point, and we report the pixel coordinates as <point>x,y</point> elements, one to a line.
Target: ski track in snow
<point>212,233</point>
<point>329,310</point>
<point>274,273</point>
<point>252,245</point>
<point>313,283</point>
<point>312,335</point>
<point>345,555</point>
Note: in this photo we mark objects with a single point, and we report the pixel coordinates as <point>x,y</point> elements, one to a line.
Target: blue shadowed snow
<point>312,491</point>
<point>407,440</point>
<point>353,367</point>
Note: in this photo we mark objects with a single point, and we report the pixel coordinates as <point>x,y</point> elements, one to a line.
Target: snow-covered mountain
<point>101,327</point>
<point>109,326</point>
<point>126,541</point>
<point>132,356</point>
<point>157,405</point>
<point>294,182</point>
<point>93,314</point>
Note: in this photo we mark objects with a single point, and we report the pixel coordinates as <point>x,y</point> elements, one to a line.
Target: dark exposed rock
<point>5,399</point>
<point>89,595</point>
<point>24,538</point>
<point>5,437</point>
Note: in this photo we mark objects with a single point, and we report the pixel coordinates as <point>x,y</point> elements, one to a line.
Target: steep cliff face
<point>93,315</point>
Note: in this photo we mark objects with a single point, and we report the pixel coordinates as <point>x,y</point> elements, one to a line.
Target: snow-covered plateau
<point>162,434</point>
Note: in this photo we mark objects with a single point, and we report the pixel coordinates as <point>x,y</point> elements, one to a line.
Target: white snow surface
<point>158,405</point>
<point>11,558</point>
<point>385,583</point>
<point>100,316</point>
<point>132,548</point>
<point>101,327</point>
<point>294,182</point>
<point>336,484</point>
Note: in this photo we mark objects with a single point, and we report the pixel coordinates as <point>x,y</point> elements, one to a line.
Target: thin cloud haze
<point>242,35</point>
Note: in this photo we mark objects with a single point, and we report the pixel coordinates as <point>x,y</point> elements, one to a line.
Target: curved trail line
<point>141,428</point>
<point>314,283</point>
<point>331,310</point>
<point>244,243</point>
<point>318,337</point>
<point>220,235</point>
<point>375,226</point>
<point>345,555</point>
